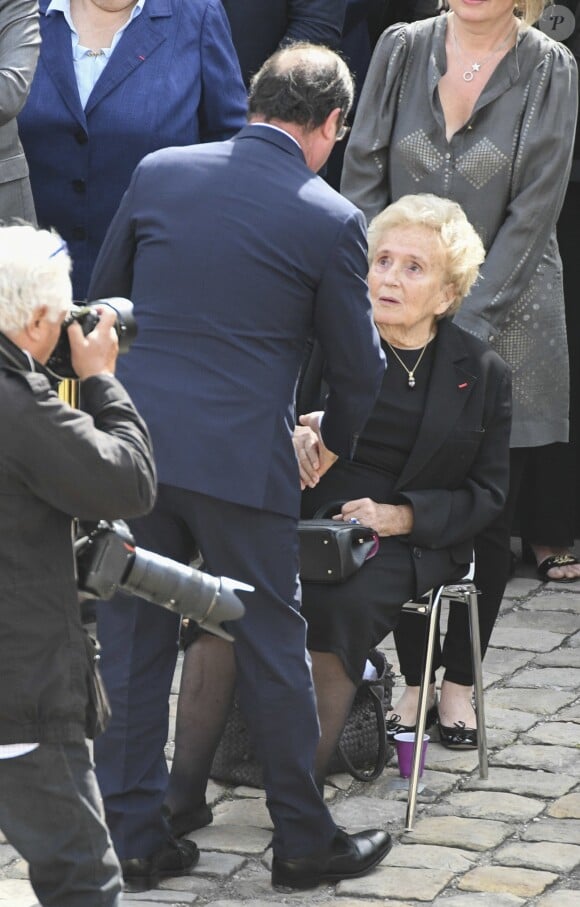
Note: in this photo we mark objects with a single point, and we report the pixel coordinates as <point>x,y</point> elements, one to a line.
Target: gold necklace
<point>410,372</point>
<point>476,66</point>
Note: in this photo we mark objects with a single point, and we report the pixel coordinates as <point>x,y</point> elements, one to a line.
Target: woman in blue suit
<point>115,81</point>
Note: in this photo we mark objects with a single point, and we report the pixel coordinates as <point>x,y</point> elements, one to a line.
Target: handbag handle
<point>328,510</point>
<point>373,773</point>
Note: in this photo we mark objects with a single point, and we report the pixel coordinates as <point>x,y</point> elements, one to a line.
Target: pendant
<point>468,76</point>
<point>411,381</point>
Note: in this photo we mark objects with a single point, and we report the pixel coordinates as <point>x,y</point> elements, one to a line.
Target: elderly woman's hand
<point>386,519</point>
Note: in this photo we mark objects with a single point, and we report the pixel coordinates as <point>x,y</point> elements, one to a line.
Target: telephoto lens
<point>108,560</point>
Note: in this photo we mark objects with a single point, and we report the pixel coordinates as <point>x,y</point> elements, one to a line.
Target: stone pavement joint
<point>512,840</point>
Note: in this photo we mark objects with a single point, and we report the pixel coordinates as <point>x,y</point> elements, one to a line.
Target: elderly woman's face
<point>407,281</point>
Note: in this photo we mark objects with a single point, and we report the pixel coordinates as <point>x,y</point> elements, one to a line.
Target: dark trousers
<point>549,506</point>
<point>51,812</point>
<point>492,571</point>
<point>274,683</point>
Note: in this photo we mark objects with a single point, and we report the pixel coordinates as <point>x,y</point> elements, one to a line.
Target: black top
<point>390,433</point>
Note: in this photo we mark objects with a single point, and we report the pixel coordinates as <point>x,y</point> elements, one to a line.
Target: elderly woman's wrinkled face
<point>407,281</point>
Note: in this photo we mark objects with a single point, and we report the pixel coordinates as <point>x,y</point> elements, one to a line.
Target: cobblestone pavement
<point>510,841</point>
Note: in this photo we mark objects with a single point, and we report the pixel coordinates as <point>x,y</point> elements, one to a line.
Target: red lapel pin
<point>463,386</point>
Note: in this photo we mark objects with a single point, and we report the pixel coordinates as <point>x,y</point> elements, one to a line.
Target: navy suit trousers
<point>274,682</point>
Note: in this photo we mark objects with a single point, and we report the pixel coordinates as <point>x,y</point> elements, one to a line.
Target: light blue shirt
<point>89,65</point>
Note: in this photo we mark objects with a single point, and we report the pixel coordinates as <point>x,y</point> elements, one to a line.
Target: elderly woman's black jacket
<point>55,463</point>
<point>457,474</point>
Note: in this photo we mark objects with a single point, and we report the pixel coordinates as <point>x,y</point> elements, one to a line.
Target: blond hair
<point>529,10</point>
<point>462,248</point>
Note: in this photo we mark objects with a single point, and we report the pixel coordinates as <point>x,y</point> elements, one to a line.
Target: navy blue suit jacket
<point>259,26</point>
<point>233,253</point>
<point>173,79</point>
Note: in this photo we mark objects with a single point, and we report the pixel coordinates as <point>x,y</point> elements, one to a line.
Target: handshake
<point>314,458</point>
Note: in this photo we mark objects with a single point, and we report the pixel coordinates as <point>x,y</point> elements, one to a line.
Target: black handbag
<point>331,550</point>
<point>363,750</point>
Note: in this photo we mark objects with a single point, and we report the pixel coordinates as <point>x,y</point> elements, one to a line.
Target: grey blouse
<point>508,168</point>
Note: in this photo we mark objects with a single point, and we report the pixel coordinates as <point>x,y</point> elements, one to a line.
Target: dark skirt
<point>349,618</point>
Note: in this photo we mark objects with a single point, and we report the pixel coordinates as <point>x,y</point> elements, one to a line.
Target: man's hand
<point>386,519</point>
<point>306,446</point>
<point>314,458</point>
<point>95,354</point>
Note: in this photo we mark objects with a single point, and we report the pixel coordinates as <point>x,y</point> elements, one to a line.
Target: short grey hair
<point>34,271</point>
<point>461,247</point>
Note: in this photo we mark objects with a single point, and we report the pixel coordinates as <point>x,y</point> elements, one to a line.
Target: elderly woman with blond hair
<point>479,107</point>
<point>431,466</point>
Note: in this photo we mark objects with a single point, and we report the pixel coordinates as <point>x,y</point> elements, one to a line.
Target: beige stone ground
<point>510,841</point>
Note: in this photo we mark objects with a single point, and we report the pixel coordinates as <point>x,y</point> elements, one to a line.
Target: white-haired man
<point>55,463</point>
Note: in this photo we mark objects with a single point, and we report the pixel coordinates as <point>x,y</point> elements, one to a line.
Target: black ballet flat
<point>393,725</point>
<point>458,737</point>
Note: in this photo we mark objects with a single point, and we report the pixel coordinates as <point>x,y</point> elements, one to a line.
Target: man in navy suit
<point>259,27</point>
<point>234,253</point>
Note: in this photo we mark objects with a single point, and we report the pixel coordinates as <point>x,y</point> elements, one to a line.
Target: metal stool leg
<point>471,596</point>
<point>433,614</point>
<point>467,593</point>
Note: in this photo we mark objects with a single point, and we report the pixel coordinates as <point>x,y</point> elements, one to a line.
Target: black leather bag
<point>330,550</point>
<point>363,750</point>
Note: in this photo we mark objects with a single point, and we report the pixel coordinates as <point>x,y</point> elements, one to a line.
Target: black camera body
<point>87,316</point>
<point>108,560</point>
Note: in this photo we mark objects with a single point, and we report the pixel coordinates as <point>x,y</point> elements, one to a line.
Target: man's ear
<point>35,322</point>
<point>330,126</point>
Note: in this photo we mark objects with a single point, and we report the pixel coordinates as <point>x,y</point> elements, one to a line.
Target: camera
<point>88,318</point>
<point>108,560</point>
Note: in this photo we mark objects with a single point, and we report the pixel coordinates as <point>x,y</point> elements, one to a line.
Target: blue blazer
<point>173,79</point>
<point>233,254</point>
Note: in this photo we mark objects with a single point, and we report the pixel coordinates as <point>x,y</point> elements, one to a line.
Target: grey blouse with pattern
<point>508,168</point>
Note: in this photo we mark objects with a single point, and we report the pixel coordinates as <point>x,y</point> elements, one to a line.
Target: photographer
<point>55,463</point>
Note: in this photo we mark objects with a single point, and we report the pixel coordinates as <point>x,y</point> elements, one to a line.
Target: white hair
<point>34,271</point>
<point>462,249</point>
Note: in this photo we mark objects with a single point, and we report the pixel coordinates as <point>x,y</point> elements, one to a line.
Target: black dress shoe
<point>186,822</point>
<point>175,858</point>
<point>350,857</point>
<point>458,737</point>
<point>393,725</point>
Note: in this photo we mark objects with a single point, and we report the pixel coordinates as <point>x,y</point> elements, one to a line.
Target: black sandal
<point>557,560</point>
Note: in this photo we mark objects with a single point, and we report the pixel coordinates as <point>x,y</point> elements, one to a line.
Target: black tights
<point>204,704</point>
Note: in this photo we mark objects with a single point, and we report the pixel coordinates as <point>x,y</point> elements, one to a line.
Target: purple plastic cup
<point>405,744</point>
